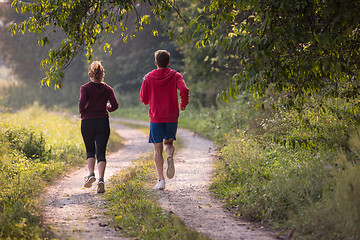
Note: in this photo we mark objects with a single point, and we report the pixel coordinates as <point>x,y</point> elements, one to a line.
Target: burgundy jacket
<point>94,98</point>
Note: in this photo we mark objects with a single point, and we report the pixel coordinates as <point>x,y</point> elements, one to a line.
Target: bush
<point>26,141</point>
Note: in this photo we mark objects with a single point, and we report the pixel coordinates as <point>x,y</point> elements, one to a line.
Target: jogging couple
<point>159,89</point>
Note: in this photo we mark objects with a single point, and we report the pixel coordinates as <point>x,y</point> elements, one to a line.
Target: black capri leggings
<point>95,131</point>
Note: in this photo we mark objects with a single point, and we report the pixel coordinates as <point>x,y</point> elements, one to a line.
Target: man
<point>159,90</point>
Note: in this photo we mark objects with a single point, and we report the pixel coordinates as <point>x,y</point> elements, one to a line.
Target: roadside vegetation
<point>37,147</point>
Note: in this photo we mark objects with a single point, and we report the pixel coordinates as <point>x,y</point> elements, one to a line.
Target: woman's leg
<point>102,138</point>
<point>91,164</point>
<point>88,134</point>
<point>101,168</point>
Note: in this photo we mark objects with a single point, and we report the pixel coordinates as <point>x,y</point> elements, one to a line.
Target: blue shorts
<point>161,131</point>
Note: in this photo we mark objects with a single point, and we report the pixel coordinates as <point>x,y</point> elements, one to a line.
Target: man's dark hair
<point>162,58</point>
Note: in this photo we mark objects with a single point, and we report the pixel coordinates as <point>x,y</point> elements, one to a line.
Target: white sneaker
<point>160,185</point>
<point>170,168</point>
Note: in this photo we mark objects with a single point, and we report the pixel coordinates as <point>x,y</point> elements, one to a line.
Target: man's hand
<point>182,108</point>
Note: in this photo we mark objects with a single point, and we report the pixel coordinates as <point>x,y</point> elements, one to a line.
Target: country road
<point>73,212</point>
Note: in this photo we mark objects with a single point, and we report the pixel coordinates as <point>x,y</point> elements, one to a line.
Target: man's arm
<point>184,92</point>
<point>144,98</point>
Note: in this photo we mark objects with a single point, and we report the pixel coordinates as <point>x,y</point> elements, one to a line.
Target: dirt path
<point>76,213</point>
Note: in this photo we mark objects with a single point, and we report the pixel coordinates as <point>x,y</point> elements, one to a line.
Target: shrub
<point>26,141</point>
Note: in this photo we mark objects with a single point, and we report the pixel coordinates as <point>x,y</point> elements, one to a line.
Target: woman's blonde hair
<point>96,71</point>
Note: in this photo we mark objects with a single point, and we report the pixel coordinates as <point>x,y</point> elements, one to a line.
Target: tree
<point>208,67</point>
<point>85,24</point>
<point>300,48</point>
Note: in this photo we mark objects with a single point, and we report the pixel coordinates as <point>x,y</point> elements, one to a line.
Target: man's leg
<point>159,160</point>
<point>169,149</point>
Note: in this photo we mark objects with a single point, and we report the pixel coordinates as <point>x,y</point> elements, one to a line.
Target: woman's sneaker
<point>160,185</point>
<point>170,168</point>
<point>89,181</point>
<point>101,187</point>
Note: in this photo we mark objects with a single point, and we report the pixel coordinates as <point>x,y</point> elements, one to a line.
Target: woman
<point>95,128</point>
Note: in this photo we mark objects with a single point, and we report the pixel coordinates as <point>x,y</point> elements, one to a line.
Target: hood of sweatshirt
<point>161,76</point>
<point>96,89</point>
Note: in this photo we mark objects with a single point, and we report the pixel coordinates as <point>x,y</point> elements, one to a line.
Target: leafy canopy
<point>300,48</point>
<point>307,50</point>
<point>85,23</point>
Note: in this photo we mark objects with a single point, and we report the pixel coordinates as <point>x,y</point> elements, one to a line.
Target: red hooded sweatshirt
<point>94,98</point>
<point>159,90</point>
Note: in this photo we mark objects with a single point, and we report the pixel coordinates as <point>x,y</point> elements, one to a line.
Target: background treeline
<point>289,137</point>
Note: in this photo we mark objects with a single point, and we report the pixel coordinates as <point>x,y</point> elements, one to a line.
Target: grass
<point>37,146</point>
<point>291,175</point>
<point>139,112</point>
<point>134,210</point>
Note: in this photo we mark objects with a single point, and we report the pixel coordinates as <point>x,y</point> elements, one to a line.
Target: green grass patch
<point>139,112</point>
<point>134,210</point>
<point>36,147</point>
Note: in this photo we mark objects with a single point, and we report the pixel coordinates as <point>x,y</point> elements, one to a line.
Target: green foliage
<point>24,95</point>
<point>293,174</point>
<point>207,67</point>
<point>268,182</point>
<point>126,68</point>
<point>84,23</point>
<point>134,209</point>
<point>27,142</point>
<point>302,49</point>
<point>138,112</point>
